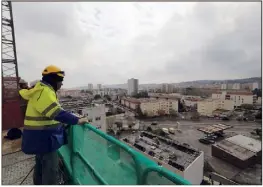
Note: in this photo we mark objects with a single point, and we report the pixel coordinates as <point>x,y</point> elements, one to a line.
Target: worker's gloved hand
<point>82,121</point>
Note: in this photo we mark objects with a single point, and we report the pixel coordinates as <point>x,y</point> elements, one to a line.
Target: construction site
<point>85,169</point>
<point>166,152</point>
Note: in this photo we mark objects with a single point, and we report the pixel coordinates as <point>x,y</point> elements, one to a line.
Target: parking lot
<point>190,135</point>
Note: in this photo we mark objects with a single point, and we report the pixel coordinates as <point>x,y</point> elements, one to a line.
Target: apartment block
<point>167,88</point>
<point>90,86</point>
<point>133,86</point>
<point>206,107</point>
<point>152,106</point>
<point>236,86</point>
<point>239,98</point>
<point>96,116</point>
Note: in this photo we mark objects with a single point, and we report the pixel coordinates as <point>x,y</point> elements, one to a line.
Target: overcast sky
<point>156,42</point>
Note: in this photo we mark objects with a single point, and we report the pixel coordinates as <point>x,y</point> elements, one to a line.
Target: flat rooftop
<point>246,142</point>
<point>214,128</point>
<point>235,150</point>
<point>169,151</point>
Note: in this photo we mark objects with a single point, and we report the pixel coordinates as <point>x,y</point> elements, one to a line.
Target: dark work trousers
<point>46,169</point>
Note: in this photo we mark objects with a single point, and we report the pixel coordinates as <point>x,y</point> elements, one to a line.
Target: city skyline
<point>154,42</point>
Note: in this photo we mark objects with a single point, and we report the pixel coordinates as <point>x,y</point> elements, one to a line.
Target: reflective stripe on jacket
<point>42,134</point>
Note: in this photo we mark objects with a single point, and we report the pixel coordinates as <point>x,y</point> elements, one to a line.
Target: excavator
<point>91,156</point>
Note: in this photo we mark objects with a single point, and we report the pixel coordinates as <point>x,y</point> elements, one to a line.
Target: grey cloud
<point>213,41</point>
<point>44,17</point>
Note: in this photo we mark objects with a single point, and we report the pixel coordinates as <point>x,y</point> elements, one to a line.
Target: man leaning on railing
<point>44,132</point>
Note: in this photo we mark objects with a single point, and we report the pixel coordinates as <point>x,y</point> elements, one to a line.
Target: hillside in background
<point>245,80</point>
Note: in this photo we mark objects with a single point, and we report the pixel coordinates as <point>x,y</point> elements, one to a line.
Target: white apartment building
<point>90,86</point>
<point>236,86</point>
<point>131,103</point>
<point>206,107</point>
<point>152,106</point>
<point>239,98</point>
<point>96,116</point>
<point>72,93</point>
<point>111,120</point>
<point>133,85</point>
<point>247,86</point>
<point>167,88</point>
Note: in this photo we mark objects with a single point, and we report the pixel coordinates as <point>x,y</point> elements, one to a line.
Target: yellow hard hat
<point>53,70</point>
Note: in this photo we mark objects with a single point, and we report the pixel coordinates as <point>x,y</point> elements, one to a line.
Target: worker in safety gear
<point>23,103</point>
<point>33,83</point>
<point>44,132</point>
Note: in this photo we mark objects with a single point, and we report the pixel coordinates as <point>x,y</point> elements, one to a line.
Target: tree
<point>139,111</point>
<point>247,106</point>
<point>257,92</point>
<point>107,97</point>
<point>161,112</point>
<point>119,125</point>
<point>89,92</point>
<point>259,115</point>
<point>97,96</point>
<point>172,112</point>
<point>130,122</point>
<point>195,116</point>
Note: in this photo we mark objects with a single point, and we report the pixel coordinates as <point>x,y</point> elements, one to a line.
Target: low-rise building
<point>152,106</point>
<point>238,150</point>
<point>206,107</point>
<point>239,98</point>
<point>236,86</point>
<point>167,88</point>
<point>131,103</point>
<point>175,156</point>
<point>96,116</point>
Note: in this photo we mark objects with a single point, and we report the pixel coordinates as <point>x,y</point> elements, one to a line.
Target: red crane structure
<point>10,80</point>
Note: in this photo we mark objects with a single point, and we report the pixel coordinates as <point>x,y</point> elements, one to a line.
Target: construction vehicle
<point>91,157</point>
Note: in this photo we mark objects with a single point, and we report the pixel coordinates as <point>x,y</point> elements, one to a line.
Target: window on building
<point>90,120</point>
<point>242,100</point>
<point>97,118</point>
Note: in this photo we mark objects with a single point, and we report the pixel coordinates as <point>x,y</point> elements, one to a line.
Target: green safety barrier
<point>92,157</point>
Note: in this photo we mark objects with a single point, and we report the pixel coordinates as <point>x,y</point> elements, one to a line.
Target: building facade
<point>90,86</point>
<point>133,85</point>
<point>236,86</point>
<point>96,116</point>
<point>152,106</point>
<point>207,107</point>
<point>167,88</point>
<point>239,98</point>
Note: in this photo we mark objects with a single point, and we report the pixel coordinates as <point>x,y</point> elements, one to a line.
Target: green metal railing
<point>94,158</point>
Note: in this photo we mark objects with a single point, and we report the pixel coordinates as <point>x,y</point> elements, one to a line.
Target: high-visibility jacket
<point>43,129</point>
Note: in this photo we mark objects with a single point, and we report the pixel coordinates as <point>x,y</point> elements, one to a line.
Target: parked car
<point>225,118</point>
<point>206,141</point>
<point>219,134</point>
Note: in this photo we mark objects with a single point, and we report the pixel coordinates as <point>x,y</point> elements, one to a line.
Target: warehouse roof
<point>246,142</point>
<point>235,150</point>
